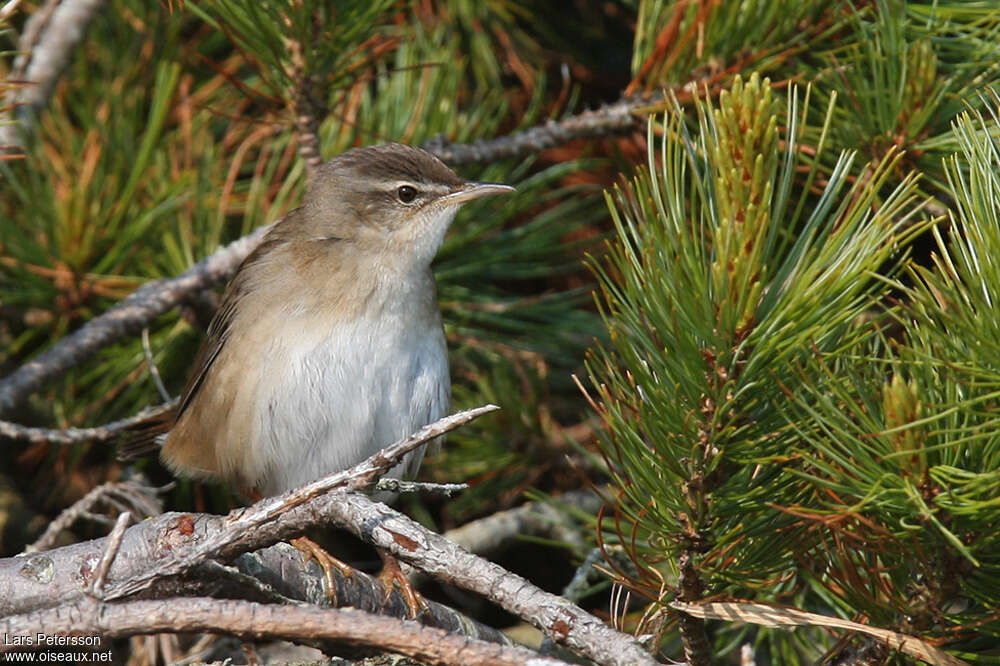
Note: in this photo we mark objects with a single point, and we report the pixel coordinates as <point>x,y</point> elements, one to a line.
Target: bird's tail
<point>145,437</point>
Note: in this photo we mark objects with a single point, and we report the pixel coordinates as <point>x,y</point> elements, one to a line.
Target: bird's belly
<point>328,404</point>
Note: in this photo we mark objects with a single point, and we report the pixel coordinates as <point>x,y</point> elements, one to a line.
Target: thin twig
<point>252,620</point>
<point>69,436</point>
<point>390,485</point>
<point>137,499</point>
<point>609,119</point>
<point>8,9</point>
<point>153,370</point>
<point>98,518</point>
<point>110,553</point>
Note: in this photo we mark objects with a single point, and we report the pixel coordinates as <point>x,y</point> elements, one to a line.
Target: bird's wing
<point>145,438</point>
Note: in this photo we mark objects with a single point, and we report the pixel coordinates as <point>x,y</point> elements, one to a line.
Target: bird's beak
<point>471,191</point>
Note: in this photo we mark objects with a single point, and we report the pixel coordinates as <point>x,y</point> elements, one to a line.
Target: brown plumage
<point>328,343</point>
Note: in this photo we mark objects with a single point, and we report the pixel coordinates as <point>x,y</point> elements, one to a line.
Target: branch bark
<point>68,436</point>
<point>49,40</point>
<point>697,649</point>
<point>607,120</point>
<point>252,620</point>
<point>282,569</point>
<point>565,622</point>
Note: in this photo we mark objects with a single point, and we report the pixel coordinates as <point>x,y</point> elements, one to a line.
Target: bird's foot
<point>393,575</point>
<point>327,562</point>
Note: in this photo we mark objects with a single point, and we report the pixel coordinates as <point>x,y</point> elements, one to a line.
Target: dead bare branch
<point>69,436</point>
<point>136,498</point>
<point>565,622</point>
<point>147,351</point>
<point>178,543</point>
<point>174,544</point>
<point>110,553</point>
<point>284,571</point>
<point>252,620</point>
<point>607,120</point>
<point>49,40</point>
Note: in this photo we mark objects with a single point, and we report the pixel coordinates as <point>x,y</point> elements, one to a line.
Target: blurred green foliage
<point>796,373</point>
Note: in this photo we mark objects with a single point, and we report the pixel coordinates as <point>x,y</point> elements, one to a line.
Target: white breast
<point>334,393</point>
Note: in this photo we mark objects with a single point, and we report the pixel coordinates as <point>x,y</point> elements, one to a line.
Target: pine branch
<point>697,649</point>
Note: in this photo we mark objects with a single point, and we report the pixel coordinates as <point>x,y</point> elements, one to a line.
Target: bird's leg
<point>326,562</point>
<point>393,575</point>
<point>312,550</point>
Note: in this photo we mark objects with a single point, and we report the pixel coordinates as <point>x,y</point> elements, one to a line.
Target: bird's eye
<point>406,193</point>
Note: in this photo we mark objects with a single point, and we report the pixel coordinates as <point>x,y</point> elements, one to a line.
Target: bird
<point>328,343</point>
